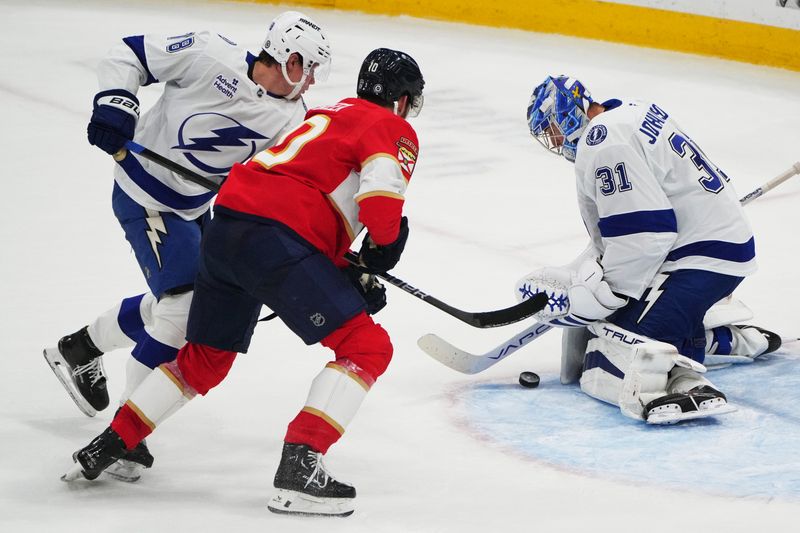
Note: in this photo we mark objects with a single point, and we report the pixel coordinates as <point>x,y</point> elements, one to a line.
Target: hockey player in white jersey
<point>668,239</point>
<point>220,105</point>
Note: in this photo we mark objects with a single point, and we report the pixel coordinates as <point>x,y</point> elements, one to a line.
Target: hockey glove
<point>576,297</point>
<point>378,258</point>
<point>368,286</point>
<point>113,120</point>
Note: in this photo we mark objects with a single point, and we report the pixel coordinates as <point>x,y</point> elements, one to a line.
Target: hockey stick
<point>468,363</point>
<point>487,319</point>
<point>771,184</point>
<point>169,164</point>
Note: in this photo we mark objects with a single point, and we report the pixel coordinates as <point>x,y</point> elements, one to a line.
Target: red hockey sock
<point>130,426</point>
<point>312,430</point>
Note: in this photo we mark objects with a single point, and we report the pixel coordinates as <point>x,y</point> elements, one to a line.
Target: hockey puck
<point>529,380</point>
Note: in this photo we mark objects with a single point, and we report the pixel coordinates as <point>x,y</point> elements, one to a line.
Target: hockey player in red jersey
<point>282,224</point>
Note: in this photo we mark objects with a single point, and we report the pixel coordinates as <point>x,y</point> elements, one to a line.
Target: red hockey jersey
<point>347,166</point>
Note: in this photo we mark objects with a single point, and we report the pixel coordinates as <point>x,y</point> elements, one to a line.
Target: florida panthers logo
<point>213,142</point>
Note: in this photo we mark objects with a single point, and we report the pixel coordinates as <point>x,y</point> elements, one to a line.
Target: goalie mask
<point>386,75</point>
<point>293,32</point>
<point>557,114</point>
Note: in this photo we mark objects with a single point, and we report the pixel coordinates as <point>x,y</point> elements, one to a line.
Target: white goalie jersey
<point>209,116</point>
<point>653,202</point>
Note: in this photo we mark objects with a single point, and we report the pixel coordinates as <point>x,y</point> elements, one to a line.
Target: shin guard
<point>335,396</point>
<point>162,393</point>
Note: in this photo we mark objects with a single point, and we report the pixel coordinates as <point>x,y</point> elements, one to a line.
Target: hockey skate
<point>93,459</point>
<point>129,468</point>
<point>78,365</point>
<point>699,402</point>
<point>773,339</point>
<point>306,488</point>
<point>740,343</point>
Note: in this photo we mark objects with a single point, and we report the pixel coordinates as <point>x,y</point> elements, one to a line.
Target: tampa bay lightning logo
<point>213,142</point>
<point>596,135</point>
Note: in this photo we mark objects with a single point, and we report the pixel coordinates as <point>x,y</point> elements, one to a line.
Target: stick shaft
<point>771,184</point>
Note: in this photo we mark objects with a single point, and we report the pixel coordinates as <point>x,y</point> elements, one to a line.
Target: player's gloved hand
<point>113,120</point>
<point>372,290</point>
<point>576,297</point>
<point>378,258</point>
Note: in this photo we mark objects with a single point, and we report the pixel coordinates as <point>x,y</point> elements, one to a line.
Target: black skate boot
<point>306,488</point>
<point>78,364</point>
<point>98,455</point>
<point>773,339</point>
<point>699,402</point>
<point>130,466</point>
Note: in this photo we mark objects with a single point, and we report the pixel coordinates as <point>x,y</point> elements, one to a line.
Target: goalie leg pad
<point>573,349</point>
<point>682,380</point>
<point>741,340</point>
<point>608,356</point>
<point>628,370</point>
<point>729,310</point>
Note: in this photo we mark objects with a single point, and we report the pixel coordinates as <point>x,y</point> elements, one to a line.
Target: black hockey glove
<point>368,286</point>
<point>113,120</point>
<point>379,259</point>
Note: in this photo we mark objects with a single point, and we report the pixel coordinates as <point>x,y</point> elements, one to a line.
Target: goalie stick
<point>468,363</point>
<point>486,319</point>
<point>771,184</point>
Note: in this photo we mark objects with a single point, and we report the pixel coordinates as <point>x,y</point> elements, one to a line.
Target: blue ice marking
<point>753,452</point>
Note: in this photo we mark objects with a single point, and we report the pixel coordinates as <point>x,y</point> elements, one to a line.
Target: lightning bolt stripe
<point>156,224</point>
<point>653,294</point>
<point>230,136</point>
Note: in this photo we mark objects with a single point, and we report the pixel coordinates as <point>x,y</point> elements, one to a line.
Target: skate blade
<point>61,369</point>
<point>126,471</point>
<point>76,472</point>
<point>666,418</point>
<point>299,504</point>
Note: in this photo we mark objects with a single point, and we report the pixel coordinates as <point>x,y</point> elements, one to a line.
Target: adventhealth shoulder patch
<point>596,135</point>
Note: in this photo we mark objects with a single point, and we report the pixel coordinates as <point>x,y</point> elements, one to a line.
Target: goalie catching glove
<point>576,298</point>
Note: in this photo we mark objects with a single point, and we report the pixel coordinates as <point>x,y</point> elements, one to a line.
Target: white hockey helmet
<point>294,32</point>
